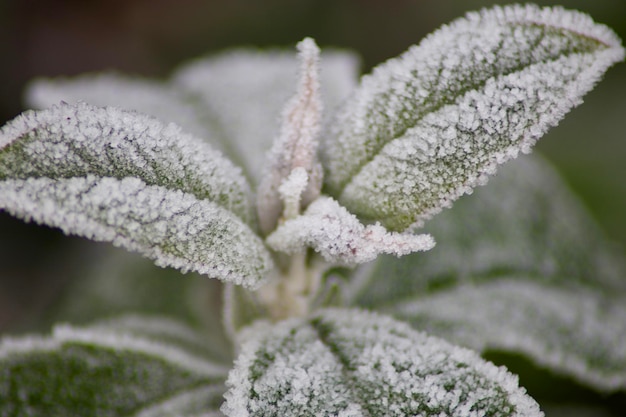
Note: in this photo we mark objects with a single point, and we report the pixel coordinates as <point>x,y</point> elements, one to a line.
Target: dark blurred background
<point>151,37</point>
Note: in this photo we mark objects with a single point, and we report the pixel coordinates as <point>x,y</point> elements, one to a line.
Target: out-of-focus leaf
<point>109,369</point>
<point>157,99</point>
<point>111,282</point>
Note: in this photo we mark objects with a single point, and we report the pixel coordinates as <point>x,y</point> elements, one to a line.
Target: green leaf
<point>427,127</point>
<point>125,178</point>
<point>245,91</point>
<point>112,369</point>
<point>519,266</point>
<point>353,363</point>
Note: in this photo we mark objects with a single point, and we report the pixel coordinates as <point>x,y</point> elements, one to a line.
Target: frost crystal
<point>338,235</point>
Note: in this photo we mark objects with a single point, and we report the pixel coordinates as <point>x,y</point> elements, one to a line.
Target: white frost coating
<point>74,141</point>
<point>171,227</point>
<point>157,99</point>
<point>432,124</point>
<point>338,235</point>
<point>296,145</point>
<point>246,90</point>
<point>573,331</point>
<point>352,363</point>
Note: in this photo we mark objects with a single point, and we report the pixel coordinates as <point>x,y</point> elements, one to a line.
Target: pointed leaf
<point>429,126</point>
<point>246,90</point>
<point>352,363</point>
<point>339,237</point>
<point>124,178</point>
<point>295,148</point>
<point>105,370</point>
<point>513,260</point>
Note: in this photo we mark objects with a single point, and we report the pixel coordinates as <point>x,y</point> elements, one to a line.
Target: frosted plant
<point>332,225</point>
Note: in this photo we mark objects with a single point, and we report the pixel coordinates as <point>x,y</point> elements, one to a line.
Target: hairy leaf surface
<point>114,369</point>
<point>430,125</point>
<point>519,266</point>
<point>352,363</point>
<point>125,178</point>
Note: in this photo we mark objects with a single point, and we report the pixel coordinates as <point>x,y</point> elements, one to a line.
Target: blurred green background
<point>151,37</point>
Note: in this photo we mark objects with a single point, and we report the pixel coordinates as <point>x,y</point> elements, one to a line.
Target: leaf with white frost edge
<point>108,369</point>
<point>339,237</point>
<point>520,266</point>
<point>121,177</point>
<point>246,90</point>
<point>353,363</point>
<point>430,125</point>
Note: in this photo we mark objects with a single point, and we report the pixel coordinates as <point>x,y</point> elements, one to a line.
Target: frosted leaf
<point>432,124</point>
<point>74,141</point>
<point>246,90</point>
<point>518,264</point>
<point>105,370</point>
<point>339,237</point>
<point>296,145</point>
<point>169,226</point>
<point>157,99</point>
<point>353,363</point>
<point>142,185</point>
<point>572,331</point>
